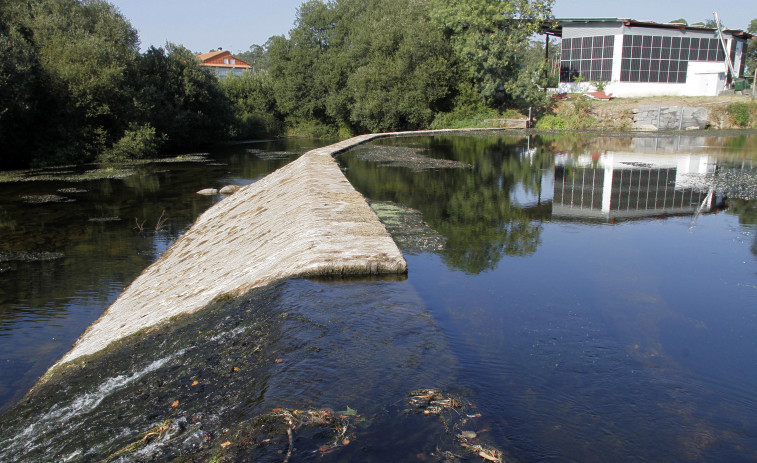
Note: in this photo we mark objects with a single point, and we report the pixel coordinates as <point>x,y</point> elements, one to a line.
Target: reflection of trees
<point>472,207</point>
<point>747,214</point>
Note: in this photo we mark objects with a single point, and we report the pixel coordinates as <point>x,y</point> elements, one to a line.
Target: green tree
<point>75,55</point>
<point>255,112</point>
<point>183,101</point>
<point>406,78</point>
<point>490,38</point>
<point>21,96</point>
<point>256,56</point>
<point>751,53</point>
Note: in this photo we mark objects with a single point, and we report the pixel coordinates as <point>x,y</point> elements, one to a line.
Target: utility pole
<point>725,49</point>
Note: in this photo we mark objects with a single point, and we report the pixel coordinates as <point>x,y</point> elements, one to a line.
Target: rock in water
<point>229,190</point>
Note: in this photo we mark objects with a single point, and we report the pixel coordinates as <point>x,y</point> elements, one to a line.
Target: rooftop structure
<point>223,63</point>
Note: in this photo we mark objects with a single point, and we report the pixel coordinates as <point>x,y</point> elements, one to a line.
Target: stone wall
<point>671,118</point>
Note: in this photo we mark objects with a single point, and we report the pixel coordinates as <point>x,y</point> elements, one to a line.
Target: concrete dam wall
<point>304,219</point>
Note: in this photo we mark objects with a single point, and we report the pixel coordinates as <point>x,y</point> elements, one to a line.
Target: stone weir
<point>304,219</point>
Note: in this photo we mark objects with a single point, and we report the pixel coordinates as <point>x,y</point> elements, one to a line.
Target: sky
<point>238,24</point>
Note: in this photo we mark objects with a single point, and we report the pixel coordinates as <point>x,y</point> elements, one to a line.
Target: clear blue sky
<point>237,24</point>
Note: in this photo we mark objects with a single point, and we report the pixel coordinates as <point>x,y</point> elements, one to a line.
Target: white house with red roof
<point>223,63</point>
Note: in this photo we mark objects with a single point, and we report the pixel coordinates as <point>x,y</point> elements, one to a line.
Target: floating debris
<point>737,183</point>
<point>273,433</point>
<point>43,199</point>
<point>156,433</point>
<point>408,229</point>
<point>399,156</point>
<point>71,190</point>
<point>454,415</point>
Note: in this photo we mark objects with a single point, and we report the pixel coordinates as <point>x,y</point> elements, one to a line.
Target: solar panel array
<point>589,57</point>
<point>646,58</point>
<point>650,58</point>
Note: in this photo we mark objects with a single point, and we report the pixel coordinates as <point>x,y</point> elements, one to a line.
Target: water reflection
<point>595,343</point>
<point>575,341</point>
<point>614,186</point>
<point>498,206</point>
<point>45,304</point>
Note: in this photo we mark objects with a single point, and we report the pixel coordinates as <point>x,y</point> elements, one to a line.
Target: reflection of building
<point>610,186</point>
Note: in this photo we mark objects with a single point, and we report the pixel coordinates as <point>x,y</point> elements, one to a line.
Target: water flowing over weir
<point>304,219</point>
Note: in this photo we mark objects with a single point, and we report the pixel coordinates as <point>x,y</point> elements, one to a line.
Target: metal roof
<point>560,22</point>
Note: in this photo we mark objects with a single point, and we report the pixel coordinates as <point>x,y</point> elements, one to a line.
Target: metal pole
<point>659,109</point>
<point>546,63</point>
<point>680,119</point>
<point>725,49</point>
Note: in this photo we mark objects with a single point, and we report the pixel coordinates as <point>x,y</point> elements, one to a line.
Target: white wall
<point>702,79</point>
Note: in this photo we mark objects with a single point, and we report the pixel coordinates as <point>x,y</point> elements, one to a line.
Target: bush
<point>255,125</point>
<point>551,122</point>
<point>740,113</point>
<point>138,142</point>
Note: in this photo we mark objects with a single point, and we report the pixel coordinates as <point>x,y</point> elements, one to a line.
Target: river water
<point>577,298</point>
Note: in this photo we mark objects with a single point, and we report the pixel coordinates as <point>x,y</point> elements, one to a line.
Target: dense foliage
<point>74,87</point>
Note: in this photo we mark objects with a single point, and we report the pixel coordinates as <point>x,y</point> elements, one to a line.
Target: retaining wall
<point>671,118</point>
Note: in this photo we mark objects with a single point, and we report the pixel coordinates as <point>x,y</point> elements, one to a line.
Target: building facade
<point>222,63</point>
<point>635,58</point>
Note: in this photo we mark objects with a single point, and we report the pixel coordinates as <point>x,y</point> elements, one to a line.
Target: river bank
<point>627,114</point>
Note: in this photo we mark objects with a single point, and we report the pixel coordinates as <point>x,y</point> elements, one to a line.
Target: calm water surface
<point>587,299</point>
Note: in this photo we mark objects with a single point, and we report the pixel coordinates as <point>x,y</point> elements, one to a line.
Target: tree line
<point>74,87</point>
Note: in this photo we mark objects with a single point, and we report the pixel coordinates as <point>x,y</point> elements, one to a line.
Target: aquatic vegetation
<point>400,156</point>
<point>408,229</point>
<point>40,199</point>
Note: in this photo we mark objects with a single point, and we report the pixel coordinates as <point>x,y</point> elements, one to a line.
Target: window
<point>587,57</point>
<point>664,59</point>
<point>226,61</point>
<point>233,61</point>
